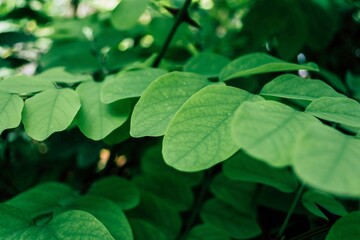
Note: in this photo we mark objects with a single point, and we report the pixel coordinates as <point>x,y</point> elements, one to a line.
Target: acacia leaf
<point>268,130</point>
<point>161,100</point>
<point>25,85</point>
<point>295,87</point>
<point>207,232</point>
<point>346,228</point>
<point>341,110</point>
<point>95,119</point>
<point>199,136</point>
<point>257,63</point>
<point>50,111</point>
<point>127,13</point>
<point>59,75</point>
<point>11,107</point>
<point>128,84</point>
<point>328,160</point>
<point>146,230</point>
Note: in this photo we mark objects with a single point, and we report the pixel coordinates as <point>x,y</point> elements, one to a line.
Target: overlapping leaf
<point>268,130</point>
<point>328,160</point>
<point>25,85</point>
<point>10,110</point>
<point>199,136</point>
<point>207,232</point>
<point>257,63</point>
<point>59,75</point>
<point>295,87</point>
<point>346,228</point>
<point>50,111</point>
<point>127,12</point>
<point>128,84</point>
<point>161,100</point>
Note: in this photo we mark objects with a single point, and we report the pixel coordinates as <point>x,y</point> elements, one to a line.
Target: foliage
<point>179,119</point>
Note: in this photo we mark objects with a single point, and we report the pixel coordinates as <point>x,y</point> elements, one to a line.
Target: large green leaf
<point>267,130</point>
<point>25,85</point>
<point>128,84</point>
<point>10,110</point>
<point>42,198</point>
<point>180,197</point>
<point>229,220</point>
<point>146,230</point>
<point>242,167</point>
<point>257,63</point>
<point>295,87</point>
<point>328,160</point>
<point>96,119</point>
<point>161,100</point>
<point>75,224</point>
<point>312,199</point>
<point>207,232</point>
<point>346,228</point>
<point>107,212</point>
<point>340,110</point>
<point>199,135</point>
<point>59,75</point>
<point>127,12</point>
<point>206,63</point>
<point>124,193</point>
<point>50,111</point>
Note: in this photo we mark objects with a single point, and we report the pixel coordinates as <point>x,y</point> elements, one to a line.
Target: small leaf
<point>50,111</point>
<point>119,135</point>
<point>268,130</point>
<point>295,87</point>
<point>180,197</point>
<point>10,110</point>
<point>328,160</point>
<point>207,232</point>
<point>119,190</point>
<point>161,100</point>
<point>257,63</point>
<point>145,230</point>
<point>242,167</point>
<point>25,85</point>
<point>207,64</point>
<point>59,75</point>
<point>229,220</point>
<point>199,136</point>
<point>95,119</point>
<point>128,84</point>
<point>312,198</point>
<point>127,13</point>
<point>341,110</point>
<point>346,228</point>
<point>107,212</point>
<point>42,198</point>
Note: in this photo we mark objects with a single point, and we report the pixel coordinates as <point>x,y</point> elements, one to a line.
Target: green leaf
<point>346,228</point>
<point>10,110</point>
<point>95,119</point>
<point>295,87</point>
<point>341,110</point>
<point>50,111</point>
<point>124,193</point>
<point>180,197</point>
<point>25,85</point>
<point>312,198</point>
<point>242,167</point>
<point>328,160</point>
<point>145,230</point>
<point>257,63</point>
<point>199,136</point>
<point>127,12</point>
<point>207,64</point>
<point>153,210</point>
<point>15,224</point>
<point>119,135</point>
<point>42,198</point>
<point>207,232</point>
<point>161,100</point>
<point>229,220</point>
<point>128,84</point>
<point>267,130</point>
<point>59,75</point>
<point>107,212</point>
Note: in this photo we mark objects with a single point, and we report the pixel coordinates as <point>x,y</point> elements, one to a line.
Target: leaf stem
<point>291,211</point>
<point>178,20</point>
